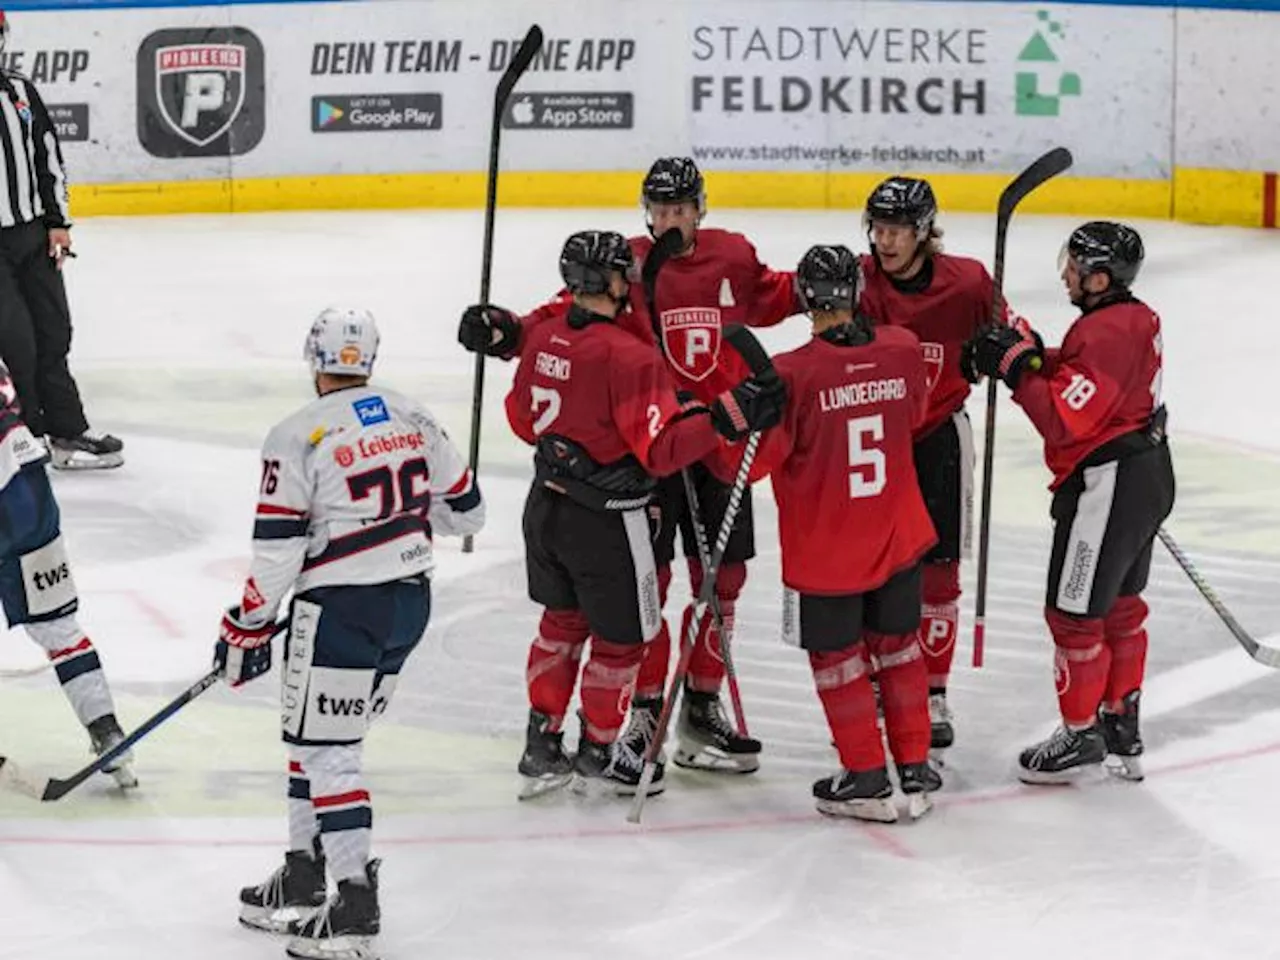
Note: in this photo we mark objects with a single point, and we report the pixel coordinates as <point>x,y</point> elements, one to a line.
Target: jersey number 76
<point>396,493</point>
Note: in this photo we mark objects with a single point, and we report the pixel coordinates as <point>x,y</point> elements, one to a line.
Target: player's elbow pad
<point>460,516</point>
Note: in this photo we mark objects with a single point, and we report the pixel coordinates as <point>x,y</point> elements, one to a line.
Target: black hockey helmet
<point>591,257</point>
<point>674,180</point>
<point>829,277</point>
<point>1103,246</point>
<point>903,200</point>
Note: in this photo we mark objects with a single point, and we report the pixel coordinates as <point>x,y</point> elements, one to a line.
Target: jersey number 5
<point>396,494</point>
<point>867,473</point>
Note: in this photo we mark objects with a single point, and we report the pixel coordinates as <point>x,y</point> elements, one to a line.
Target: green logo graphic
<point>1033,60</point>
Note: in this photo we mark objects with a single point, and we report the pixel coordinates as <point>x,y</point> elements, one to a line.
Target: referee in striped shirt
<point>35,239</point>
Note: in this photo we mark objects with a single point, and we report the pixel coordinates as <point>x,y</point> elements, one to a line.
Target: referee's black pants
<point>35,333</point>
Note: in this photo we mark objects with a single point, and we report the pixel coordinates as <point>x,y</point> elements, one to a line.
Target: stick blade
<point>520,61</point>
<point>1056,161</point>
<point>664,248</point>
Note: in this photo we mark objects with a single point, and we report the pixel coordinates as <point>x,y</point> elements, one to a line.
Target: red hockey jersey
<point>721,281</point>
<point>943,316</point>
<point>850,511</point>
<point>1104,381</point>
<point>608,392</point>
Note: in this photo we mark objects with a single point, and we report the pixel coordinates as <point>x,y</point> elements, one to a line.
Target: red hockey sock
<point>657,652</point>
<point>1081,663</point>
<point>1124,627</point>
<point>706,665</point>
<point>939,619</point>
<point>607,682</point>
<point>904,694</point>
<point>553,662</point>
<point>843,681</point>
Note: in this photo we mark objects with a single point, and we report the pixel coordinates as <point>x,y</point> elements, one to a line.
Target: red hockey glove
<point>242,652</point>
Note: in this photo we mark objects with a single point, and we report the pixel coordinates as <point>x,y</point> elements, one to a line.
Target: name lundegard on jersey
<point>353,485</point>
<point>858,394</point>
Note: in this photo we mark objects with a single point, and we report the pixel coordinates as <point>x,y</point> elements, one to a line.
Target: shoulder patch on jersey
<point>371,410</point>
<point>318,434</point>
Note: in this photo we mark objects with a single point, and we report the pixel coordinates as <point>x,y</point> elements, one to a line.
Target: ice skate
<point>863,796</point>
<point>611,770</point>
<point>291,894</point>
<point>88,451</point>
<point>1063,755</point>
<point>543,765</point>
<point>708,741</point>
<point>942,732</point>
<point>918,780</point>
<point>345,926</point>
<point>1124,742</point>
<point>105,733</point>
<point>642,727</point>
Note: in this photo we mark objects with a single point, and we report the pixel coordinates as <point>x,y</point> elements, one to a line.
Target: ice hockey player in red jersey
<point>853,529</point>
<point>715,280</point>
<point>1096,402</point>
<point>944,300</point>
<point>601,409</point>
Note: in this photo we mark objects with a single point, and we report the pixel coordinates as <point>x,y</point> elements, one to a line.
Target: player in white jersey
<point>353,486</point>
<point>36,586</point>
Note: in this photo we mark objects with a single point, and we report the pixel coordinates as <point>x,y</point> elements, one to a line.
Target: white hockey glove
<point>242,652</point>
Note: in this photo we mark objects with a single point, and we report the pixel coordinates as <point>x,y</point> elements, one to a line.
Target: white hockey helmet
<point>342,341</point>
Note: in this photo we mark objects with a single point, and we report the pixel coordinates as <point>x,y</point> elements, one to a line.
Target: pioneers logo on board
<point>201,92</point>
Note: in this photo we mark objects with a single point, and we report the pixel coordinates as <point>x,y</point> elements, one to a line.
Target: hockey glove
<point>753,405</point>
<point>490,330</point>
<point>242,652</point>
<point>1002,352</point>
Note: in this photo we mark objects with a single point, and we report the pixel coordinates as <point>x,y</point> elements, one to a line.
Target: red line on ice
<point>882,836</point>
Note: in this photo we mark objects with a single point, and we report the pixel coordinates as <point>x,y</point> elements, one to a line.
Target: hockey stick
<point>664,248</point>
<point>17,673</point>
<point>747,345</point>
<point>520,61</point>
<point>54,788</point>
<point>1268,656</point>
<point>1042,170</point>
<point>704,558</point>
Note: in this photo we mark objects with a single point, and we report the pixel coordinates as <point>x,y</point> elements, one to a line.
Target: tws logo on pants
<point>340,706</point>
<point>48,579</point>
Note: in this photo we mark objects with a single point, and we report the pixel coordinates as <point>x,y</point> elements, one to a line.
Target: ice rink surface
<point>189,335</point>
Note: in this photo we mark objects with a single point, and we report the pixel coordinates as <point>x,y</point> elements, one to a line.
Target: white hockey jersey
<point>18,447</point>
<point>352,487</point>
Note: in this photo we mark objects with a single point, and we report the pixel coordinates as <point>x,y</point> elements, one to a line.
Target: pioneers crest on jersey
<point>691,340</point>
<point>934,357</point>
